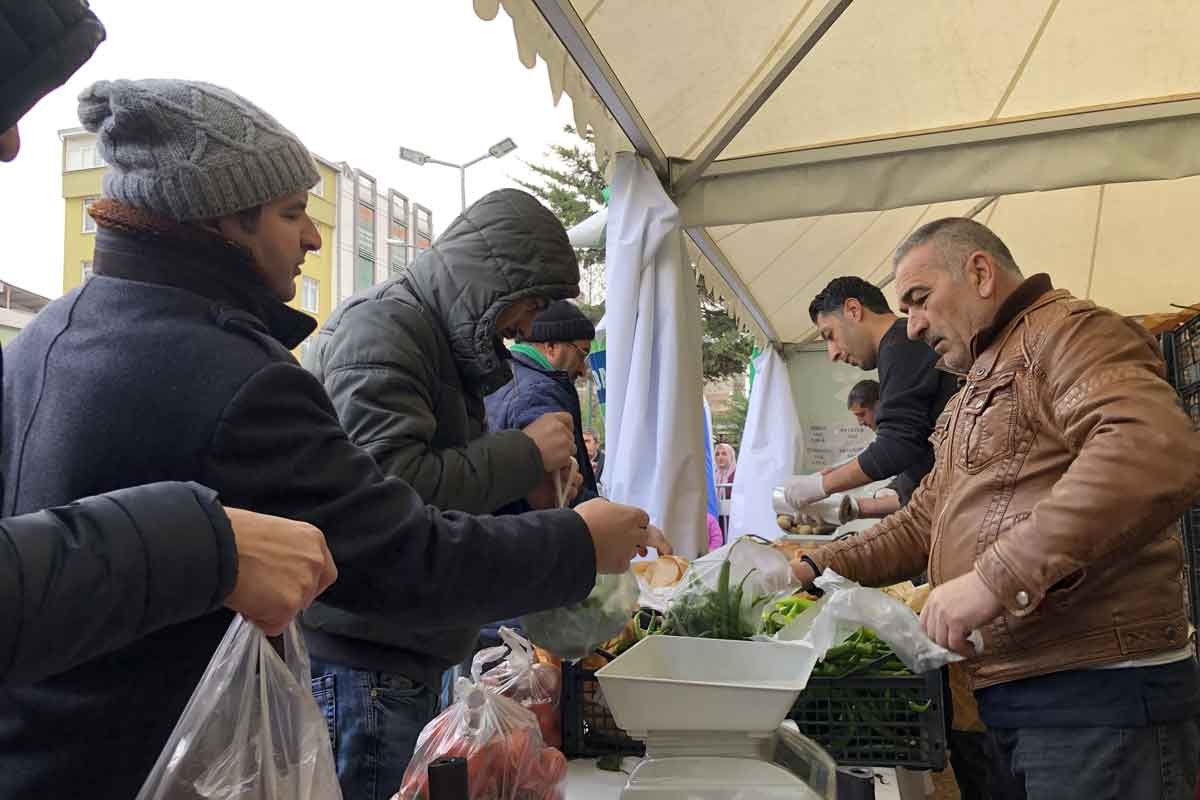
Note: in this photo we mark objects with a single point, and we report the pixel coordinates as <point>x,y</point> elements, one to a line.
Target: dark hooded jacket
<point>407,364</point>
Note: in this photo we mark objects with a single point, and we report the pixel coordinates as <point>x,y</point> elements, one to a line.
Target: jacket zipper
<point>935,540</point>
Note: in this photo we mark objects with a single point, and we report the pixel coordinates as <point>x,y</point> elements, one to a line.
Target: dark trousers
<point>1157,762</point>
<point>980,770</point>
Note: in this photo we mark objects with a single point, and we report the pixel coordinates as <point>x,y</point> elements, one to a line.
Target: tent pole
<point>712,251</point>
<point>560,15</point>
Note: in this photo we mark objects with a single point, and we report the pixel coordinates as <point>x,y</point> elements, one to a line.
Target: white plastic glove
<point>804,490</point>
<point>848,511</point>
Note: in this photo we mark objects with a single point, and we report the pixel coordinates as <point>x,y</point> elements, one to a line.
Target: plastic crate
<point>1191,404</point>
<point>1166,342</point>
<point>1185,354</point>
<point>588,727</point>
<point>880,722</point>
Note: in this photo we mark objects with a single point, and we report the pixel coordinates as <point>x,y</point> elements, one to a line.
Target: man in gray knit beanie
<point>191,152</point>
<point>172,362</point>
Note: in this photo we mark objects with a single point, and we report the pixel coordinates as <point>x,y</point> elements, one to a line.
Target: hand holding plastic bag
<point>534,685</point>
<point>846,607</point>
<point>251,730</point>
<point>499,738</point>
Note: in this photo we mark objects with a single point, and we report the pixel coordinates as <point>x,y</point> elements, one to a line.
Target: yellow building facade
<point>83,171</point>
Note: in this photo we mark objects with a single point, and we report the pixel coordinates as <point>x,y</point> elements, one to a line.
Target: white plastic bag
<point>251,730</point>
<point>846,607</point>
<point>574,631</point>
<point>757,574</point>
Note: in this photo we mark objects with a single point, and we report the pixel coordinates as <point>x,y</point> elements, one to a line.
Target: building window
<point>423,223</point>
<point>89,224</point>
<point>83,154</point>
<point>398,243</point>
<point>85,270</point>
<point>423,218</point>
<point>310,294</point>
<point>319,189</point>
<point>366,189</point>
<point>364,234</point>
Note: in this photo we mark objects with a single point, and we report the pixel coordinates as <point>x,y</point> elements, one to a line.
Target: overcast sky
<point>354,79</point>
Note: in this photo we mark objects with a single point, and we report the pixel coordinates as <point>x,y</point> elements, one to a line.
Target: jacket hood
<point>506,246</point>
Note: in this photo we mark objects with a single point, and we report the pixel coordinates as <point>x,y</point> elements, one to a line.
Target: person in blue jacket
<point>545,366</point>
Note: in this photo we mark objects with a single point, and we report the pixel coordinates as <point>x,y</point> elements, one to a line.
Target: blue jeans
<point>374,720</point>
<point>1156,762</point>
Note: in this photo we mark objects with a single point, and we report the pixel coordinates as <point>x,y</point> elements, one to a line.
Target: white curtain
<point>654,419</point>
<point>772,446</point>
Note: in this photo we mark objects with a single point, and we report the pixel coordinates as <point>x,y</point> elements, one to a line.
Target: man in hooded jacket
<point>407,365</point>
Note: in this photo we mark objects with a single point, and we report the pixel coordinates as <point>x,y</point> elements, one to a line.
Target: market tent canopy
<point>805,140</point>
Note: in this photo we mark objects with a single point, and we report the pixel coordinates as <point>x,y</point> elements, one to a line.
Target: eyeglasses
<point>582,353</point>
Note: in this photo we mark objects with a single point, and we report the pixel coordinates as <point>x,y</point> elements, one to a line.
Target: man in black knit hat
<point>545,366</point>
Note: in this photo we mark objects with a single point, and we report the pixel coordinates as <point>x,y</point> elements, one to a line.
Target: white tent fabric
<point>772,446</point>
<point>654,420</point>
<point>805,140</point>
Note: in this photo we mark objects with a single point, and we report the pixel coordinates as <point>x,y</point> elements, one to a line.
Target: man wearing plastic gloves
<point>1049,524</point>
<point>173,361</point>
<point>116,568</point>
<point>859,329</point>
<point>407,365</point>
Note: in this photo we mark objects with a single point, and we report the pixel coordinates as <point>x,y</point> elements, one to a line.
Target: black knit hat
<point>561,322</point>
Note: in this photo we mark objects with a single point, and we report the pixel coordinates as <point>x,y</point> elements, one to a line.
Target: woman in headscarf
<point>725,458</point>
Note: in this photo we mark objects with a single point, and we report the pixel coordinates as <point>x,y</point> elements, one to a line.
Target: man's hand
<point>554,435</point>
<point>803,572</point>
<point>658,541</point>
<point>848,512</point>
<point>283,566</point>
<point>545,494</point>
<point>956,608</point>
<point>804,490</point>
<point>619,532</point>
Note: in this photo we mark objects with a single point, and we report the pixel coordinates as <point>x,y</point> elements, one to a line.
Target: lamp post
<point>498,150</point>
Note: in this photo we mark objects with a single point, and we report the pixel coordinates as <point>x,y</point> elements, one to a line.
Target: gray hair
<point>955,238</point>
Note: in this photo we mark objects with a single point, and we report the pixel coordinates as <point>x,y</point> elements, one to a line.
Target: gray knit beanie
<point>191,150</point>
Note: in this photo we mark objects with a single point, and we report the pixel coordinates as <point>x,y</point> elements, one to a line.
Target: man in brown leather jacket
<point>1048,523</point>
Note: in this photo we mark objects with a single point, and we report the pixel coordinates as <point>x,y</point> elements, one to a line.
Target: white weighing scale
<point>712,714</point>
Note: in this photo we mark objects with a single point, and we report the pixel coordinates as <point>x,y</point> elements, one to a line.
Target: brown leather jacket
<point>1062,466</point>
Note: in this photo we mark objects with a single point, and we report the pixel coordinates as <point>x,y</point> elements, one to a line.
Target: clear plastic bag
<point>499,738</point>
<point>573,632</point>
<point>535,685</point>
<point>846,607</point>
<point>251,730</point>
<point>747,573</point>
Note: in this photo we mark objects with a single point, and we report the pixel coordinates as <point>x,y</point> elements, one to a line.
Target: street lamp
<point>498,150</point>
